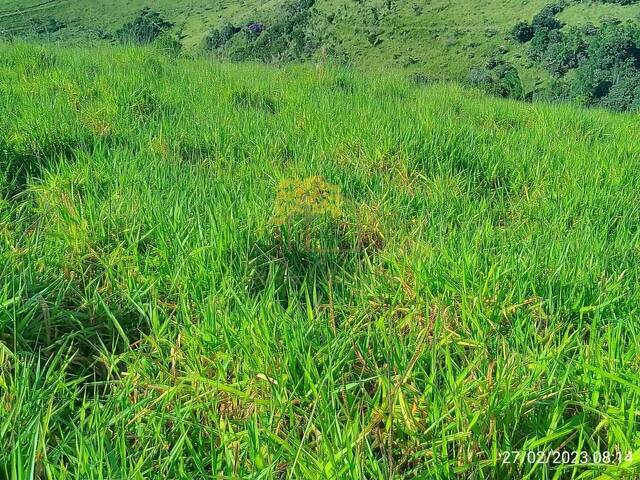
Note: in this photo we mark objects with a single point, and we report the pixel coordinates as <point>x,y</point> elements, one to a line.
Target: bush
<point>480,77</point>
<point>522,32</point>
<point>168,45</point>
<point>624,94</point>
<point>498,78</point>
<point>609,73</point>
<point>145,28</point>
<point>564,51</point>
<point>217,38</point>
<point>546,19</point>
<point>539,44</point>
<point>555,92</point>
<point>48,26</point>
<point>545,30</point>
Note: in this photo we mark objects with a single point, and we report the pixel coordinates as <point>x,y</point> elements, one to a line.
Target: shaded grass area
<point>477,294</point>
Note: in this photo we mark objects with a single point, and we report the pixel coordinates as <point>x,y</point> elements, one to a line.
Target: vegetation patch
<point>593,65</point>
<point>498,78</point>
<point>246,99</point>
<point>47,26</point>
<point>145,28</point>
<point>286,39</point>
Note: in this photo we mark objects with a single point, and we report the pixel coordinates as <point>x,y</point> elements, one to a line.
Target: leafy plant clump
<point>498,78</point>
<point>217,38</point>
<point>145,28</point>
<point>523,32</point>
<point>543,22</point>
<point>47,26</point>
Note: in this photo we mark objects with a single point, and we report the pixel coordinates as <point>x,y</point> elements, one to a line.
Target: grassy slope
<point>441,38</point>
<point>152,322</point>
<point>193,18</point>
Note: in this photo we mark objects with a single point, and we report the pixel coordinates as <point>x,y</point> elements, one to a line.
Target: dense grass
<point>478,292</point>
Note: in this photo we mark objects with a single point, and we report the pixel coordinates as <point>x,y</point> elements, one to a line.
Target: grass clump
<point>443,277</point>
<point>246,99</point>
<point>310,198</point>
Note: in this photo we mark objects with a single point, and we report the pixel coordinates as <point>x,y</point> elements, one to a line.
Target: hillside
<point>309,272</point>
<point>438,38</point>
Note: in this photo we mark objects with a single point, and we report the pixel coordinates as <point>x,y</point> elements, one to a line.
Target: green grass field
<point>164,314</point>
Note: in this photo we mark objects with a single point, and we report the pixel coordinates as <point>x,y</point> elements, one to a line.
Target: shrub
<point>624,94</point>
<point>168,44</point>
<point>564,51</point>
<point>145,28</point>
<point>217,38</point>
<point>287,39</point>
<point>556,91</point>
<point>509,83</point>
<point>48,26</point>
<point>615,45</point>
<point>546,18</point>
<point>539,44</point>
<point>522,32</point>
<point>608,73</point>
<point>480,77</point>
<point>498,78</point>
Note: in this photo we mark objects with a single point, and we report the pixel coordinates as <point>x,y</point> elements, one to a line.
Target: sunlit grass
<point>476,291</point>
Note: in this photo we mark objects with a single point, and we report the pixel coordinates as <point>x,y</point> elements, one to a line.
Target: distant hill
<point>437,38</point>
